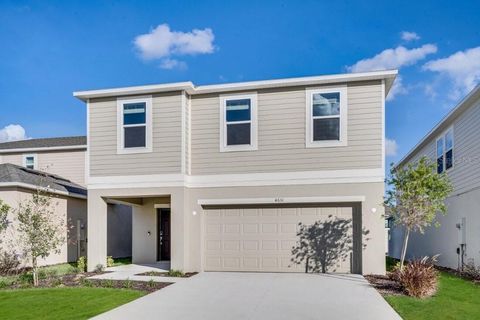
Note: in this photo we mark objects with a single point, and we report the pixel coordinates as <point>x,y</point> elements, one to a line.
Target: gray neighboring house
<point>453,145</point>
<point>220,176</point>
<point>61,158</point>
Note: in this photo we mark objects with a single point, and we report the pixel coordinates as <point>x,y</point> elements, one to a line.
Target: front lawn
<point>456,298</point>
<point>62,303</point>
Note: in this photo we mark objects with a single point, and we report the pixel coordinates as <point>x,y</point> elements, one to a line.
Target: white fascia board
<point>34,187</point>
<point>239,180</point>
<point>303,81</point>
<point>332,199</point>
<point>136,90</point>
<point>388,75</point>
<point>17,150</point>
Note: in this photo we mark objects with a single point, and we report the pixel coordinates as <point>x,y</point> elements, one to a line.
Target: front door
<point>163,237</point>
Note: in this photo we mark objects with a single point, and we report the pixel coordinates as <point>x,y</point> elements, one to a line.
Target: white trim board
<point>238,180</point>
<point>191,89</point>
<point>280,200</point>
<point>18,150</point>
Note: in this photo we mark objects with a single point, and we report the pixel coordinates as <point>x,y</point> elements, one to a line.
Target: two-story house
<point>58,163</point>
<point>453,145</point>
<point>220,176</point>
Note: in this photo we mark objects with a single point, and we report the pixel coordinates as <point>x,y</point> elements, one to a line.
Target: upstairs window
<point>30,161</point>
<point>326,117</point>
<point>445,151</point>
<point>239,123</point>
<point>134,122</point>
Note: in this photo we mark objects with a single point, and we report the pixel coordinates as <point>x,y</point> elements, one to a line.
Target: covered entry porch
<point>157,226</point>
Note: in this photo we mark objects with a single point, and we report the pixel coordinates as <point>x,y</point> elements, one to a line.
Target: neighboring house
<point>219,176</point>
<point>453,145</point>
<point>69,202</point>
<point>64,156</point>
<point>64,159</point>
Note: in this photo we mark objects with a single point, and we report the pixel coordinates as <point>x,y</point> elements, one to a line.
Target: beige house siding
<point>67,164</point>
<point>167,143</point>
<point>281,134</point>
<point>69,209</point>
<point>187,228</point>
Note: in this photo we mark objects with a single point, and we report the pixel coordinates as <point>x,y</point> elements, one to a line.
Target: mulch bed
<point>165,274</point>
<point>385,285</point>
<point>80,280</point>
<point>474,278</point>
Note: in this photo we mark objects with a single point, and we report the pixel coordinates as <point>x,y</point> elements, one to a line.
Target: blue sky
<point>50,49</point>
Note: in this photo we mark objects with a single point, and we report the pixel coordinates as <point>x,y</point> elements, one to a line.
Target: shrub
<point>26,278</point>
<point>82,264</point>
<point>419,277</point>
<point>99,268</point>
<point>151,283</point>
<point>110,261</point>
<point>175,273</point>
<point>86,283</point>
<point>9,263</point>
<point>127,284</point>
<point>107,283</point>
<point>471,271</point>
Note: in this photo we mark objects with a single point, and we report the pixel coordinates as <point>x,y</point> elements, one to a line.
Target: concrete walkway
<point>276,296</point>
<point>130,271</point>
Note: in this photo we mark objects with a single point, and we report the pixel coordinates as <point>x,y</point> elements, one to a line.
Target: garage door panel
<point>261,239</point>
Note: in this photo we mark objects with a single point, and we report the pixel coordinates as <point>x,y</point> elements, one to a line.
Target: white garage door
<point>261,239</point>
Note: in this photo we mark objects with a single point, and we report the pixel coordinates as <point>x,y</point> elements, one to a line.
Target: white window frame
<point>148,124</point>
<point>35,161</point>
<point>309,143</point>
<point>253,123</point>
<point>443,136</point>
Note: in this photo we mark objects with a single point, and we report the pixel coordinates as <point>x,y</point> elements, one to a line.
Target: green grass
<point>62,303</point>
<point>456,299</point>
<point>121,261</point>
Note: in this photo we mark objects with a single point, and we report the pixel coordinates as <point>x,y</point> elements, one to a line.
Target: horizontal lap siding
<point>67,164</point>
<point>465,174</point>
<point>281,135</point>
<point>167,137</point>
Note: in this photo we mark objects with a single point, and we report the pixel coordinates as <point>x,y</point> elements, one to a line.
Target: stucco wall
<point>186,228</point>
<point>70,209</point>
<point>444,240</point>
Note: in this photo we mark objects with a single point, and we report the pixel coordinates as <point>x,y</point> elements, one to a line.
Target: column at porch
<point>97,230</point>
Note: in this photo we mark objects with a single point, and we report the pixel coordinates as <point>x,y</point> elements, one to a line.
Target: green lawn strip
<point>62,303</point>
<point>121,261</point>
<point>456,298</point>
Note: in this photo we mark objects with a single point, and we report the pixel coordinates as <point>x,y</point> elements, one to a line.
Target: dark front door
<point>163,238</point>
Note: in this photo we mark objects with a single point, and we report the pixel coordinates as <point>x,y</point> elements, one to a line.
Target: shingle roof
<point>11,173</point>
<point>45,143</point>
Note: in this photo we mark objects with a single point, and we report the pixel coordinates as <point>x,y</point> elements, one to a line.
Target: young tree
<point>40,230</point>
<point>417,194</point>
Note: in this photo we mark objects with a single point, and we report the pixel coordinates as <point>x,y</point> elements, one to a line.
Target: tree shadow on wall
<point>324,244</point>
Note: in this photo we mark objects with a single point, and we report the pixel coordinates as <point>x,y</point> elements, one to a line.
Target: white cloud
<point>394,58</point>
<point>409,36</point>
<point>170,64</point>
<point>163,43</point>
<point>12,132</point>
<point>462,68</point>
<point>391,147</point>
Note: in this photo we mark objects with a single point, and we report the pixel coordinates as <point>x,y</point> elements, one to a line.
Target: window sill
<point>238,148</point>
<point>325,144</point>
<point>133,150</point>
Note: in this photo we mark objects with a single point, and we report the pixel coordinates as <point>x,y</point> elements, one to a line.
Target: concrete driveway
<point>234,296</point>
